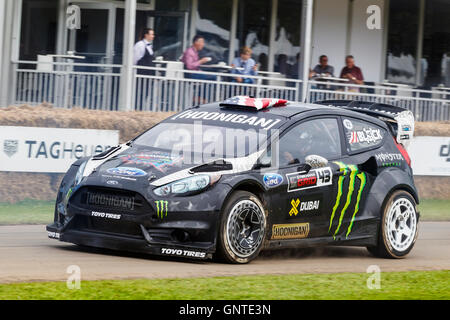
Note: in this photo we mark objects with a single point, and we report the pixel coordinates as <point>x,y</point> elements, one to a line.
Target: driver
<point>305,143</point>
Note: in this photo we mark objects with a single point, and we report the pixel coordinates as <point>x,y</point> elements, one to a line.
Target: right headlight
<point>80,172</point>
<point>185,186</point>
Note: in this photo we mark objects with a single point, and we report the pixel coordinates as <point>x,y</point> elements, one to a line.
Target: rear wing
<point>400,120</point>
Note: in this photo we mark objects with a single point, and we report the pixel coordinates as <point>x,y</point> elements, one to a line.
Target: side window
<point>361,135</point>
<point>314,137</point>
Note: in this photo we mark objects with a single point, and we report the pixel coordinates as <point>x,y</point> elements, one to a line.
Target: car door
<point>303,199</point>
<point>353,175</point>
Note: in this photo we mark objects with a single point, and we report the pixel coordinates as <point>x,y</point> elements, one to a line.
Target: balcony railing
<point>70,85</point>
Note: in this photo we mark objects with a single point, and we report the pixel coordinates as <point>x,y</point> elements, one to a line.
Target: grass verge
<point>394,285</point>
<point>41,212</point>
<point>27,212</point>
<point>435,209</point>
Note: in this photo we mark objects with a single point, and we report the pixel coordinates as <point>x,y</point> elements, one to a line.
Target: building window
<point>436,44</point>
<point>287,49</point>
<point>38,32</point>
<point>254,28</point>
<point>213,22</point>
<point>402,41</point>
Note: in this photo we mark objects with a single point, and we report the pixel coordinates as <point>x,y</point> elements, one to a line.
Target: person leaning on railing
<point>143,52</point>
<point>246,65</point>
<point>352,73</point>
<point>192,61</point>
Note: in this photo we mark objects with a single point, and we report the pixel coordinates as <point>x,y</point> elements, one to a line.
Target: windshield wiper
<point>218,165</point>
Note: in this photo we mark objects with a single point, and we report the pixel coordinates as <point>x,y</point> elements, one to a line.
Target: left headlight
<point>187,185</point>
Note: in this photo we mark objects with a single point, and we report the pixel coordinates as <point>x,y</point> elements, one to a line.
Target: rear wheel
<point>242,228</point>
<point>399,227</point>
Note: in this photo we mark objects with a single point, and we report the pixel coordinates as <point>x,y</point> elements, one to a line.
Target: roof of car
<point>286,111</point>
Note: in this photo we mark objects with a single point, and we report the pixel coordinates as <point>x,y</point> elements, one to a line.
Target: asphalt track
<point>26,254</point>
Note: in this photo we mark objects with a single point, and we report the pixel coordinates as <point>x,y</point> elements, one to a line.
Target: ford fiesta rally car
<point>226,180</point>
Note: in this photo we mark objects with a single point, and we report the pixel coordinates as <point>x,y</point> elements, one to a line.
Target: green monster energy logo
<point>354,173</point>
<point>162,208</point>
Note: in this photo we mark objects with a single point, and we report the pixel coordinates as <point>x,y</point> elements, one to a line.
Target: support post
<point>306,57</point>
<point>126,85</point>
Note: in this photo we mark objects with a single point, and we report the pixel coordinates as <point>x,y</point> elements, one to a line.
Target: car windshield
<point>213,142</point>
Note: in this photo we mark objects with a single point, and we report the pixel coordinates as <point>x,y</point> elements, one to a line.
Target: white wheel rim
<point>401,224</point>
<point>245,228</point>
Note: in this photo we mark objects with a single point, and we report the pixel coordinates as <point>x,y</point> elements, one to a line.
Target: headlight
<point>80,172</point>
<point>187,185</point>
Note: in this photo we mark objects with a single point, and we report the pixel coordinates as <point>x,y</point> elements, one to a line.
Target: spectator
<point>282,66</point>
<point>263,61</point>
<point>352,72</point>
<point>245,62</point>
<point>143,51</point>
<point>294,74</point>
<point>323,68</point>
<point>192,61</point>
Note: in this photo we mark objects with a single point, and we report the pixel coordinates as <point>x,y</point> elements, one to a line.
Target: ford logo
<point>112,183</point>
<point>127,172</point>
<point>272,179</point>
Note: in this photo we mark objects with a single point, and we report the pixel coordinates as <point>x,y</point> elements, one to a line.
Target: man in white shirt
<point>143,51</point>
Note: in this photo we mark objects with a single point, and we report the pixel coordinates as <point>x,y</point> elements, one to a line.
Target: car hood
<point>140,165</point>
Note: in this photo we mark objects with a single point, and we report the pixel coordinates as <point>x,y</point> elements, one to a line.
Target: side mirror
<point>316,161</point>
<point>264,162</point>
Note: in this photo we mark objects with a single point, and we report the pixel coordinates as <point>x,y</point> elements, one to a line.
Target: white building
<point>402,41</point>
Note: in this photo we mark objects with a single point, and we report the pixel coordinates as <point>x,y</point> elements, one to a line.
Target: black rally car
<point>227,180</point>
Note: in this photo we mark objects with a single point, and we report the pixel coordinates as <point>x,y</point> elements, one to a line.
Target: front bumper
<point>144,244</point>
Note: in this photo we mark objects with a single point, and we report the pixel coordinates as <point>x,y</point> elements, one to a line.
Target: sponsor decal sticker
<point>298,207</point>
<point>353,173</point>
<point>290,231</point>
<point>110,200</point>
<point>254,121</point>
<point>162,208</point>
<point>366,135</point>
<point>10,147</point>
<point>313,179</point>
<point>158,160</point>
<point>183,253</point>
<point>106,215</point>
<point>272,179</point>
<point>389,159</point>
<point>127,171</point>
<point>53,235</point>
<point>348,124</point>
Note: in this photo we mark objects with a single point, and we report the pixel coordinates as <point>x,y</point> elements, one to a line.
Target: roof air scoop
<point>251,103</point>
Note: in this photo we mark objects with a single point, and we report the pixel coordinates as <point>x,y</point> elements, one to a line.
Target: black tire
<point>393,243</point>
<point>242,229</point>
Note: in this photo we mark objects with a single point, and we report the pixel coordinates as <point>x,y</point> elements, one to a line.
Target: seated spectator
<point>352,73</point>
<point>323,68</point>
<point>246,63</point>
<point>192,60</point>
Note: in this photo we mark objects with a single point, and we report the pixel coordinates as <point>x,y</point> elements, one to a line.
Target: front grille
<point>99,225</point>
<point>112,200</point>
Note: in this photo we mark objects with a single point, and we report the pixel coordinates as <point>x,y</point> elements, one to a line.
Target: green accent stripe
<point>362,178</point>
<point>157,207</point>
<point>351,187</point>
<point>342,168</point>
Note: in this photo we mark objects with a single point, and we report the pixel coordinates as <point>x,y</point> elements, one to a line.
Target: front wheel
<point>399,227</point>
<point>242,228</point>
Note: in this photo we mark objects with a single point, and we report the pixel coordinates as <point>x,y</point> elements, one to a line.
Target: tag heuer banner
<point>52,150</point>
<point>430,156</point>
